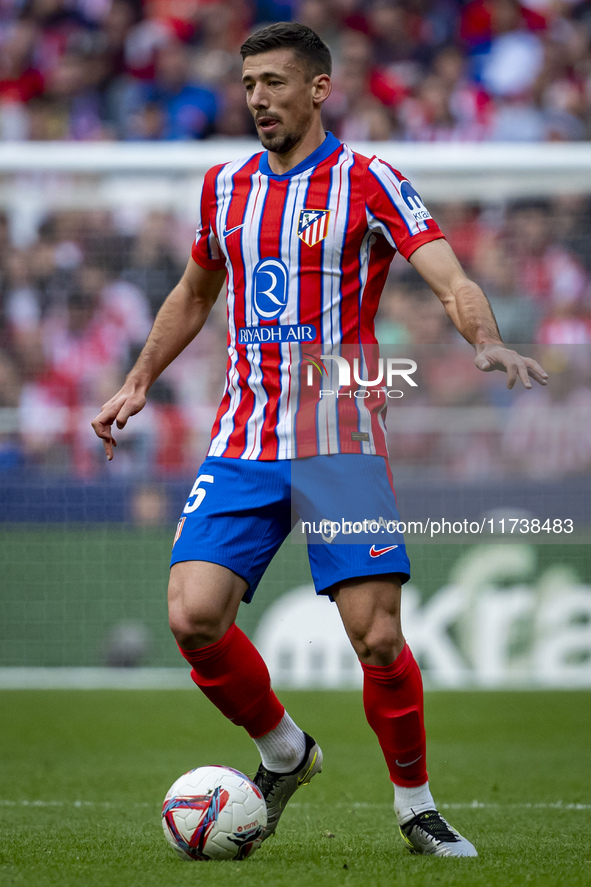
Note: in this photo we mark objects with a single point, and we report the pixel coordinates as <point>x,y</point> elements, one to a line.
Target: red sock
<point>233,675</point>
<point>393,701</point>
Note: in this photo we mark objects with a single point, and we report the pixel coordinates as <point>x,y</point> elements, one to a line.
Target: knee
<point>192,629</point>
<point>379,643</point>
<point>193,623</point>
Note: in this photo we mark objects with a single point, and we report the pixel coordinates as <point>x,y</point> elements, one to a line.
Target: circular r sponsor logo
<point>270,288</point>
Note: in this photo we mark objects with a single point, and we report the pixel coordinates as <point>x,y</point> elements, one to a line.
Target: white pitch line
<point>473,805</point>
<point>106,805</point>
<point>94,678</point>
<point>480,805</point>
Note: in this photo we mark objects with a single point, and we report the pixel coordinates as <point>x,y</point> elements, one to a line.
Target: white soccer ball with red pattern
<point>214,813</point>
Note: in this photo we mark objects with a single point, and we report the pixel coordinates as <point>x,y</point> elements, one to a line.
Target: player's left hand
<point>499,357</point>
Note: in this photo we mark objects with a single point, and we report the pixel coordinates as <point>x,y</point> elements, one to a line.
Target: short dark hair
<point>291,35</point>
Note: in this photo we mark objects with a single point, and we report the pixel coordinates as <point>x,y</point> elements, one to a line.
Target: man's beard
<point>280,143</point>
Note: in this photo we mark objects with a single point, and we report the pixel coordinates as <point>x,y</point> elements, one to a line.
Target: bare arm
<point>180,318</point>
<point>470,311</point>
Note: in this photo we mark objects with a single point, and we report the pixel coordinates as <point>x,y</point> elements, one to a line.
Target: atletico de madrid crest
<point>313,225</point>
<point>179,530</point>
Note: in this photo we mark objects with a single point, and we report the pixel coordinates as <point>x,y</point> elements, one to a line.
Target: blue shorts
<point>239,512</point>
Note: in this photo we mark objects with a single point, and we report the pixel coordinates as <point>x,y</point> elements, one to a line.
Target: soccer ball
<point>214,813</point>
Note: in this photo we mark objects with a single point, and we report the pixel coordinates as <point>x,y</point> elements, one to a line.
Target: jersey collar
<point>330,144</point>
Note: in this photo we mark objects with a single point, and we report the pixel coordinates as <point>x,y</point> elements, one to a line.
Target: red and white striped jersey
<point>307,254</point>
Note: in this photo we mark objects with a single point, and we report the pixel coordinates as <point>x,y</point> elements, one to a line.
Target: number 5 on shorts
<point>198,493</point>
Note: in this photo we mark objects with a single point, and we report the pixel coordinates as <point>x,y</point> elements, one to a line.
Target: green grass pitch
<point>83,775</point>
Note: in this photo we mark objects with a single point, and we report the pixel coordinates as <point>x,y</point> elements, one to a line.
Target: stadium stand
<point>78,296</point>
<point>414,69</point>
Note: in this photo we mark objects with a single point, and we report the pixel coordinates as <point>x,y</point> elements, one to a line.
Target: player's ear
<point>321,88</point>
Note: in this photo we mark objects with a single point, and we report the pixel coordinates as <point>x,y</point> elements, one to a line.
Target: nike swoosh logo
<point>376,552</point>
<point>229,231</point>
<point>398,764</point>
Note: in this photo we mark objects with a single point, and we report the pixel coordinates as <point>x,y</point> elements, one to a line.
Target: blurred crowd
<point>430,70</point>
<point>78,302</point>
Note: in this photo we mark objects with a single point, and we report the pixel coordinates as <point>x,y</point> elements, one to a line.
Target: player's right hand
<point>127,402</point>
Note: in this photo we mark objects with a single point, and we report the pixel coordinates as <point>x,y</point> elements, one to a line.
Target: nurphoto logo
<point>386,373</point>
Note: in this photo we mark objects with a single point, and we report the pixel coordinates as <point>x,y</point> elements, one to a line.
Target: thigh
<point>363,602</point>
<point>370,610</point>
<point>237,515</point>
<point>204,592</point>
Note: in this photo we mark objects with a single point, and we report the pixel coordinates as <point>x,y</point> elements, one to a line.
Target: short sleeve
<point>395,209</point>
<point>206,248</point>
